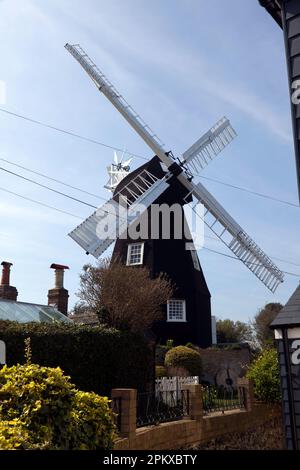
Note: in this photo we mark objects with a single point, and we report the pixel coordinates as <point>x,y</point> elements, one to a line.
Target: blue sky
<point>182,64</point>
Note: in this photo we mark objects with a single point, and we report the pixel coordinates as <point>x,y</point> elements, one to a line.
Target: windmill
<point>117,171</point>
<point>165,178</point>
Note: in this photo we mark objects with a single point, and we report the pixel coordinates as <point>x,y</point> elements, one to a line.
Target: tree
<point>79,309</point>
<point>229,331</point>
<point>262,321</point>
<point>264,372</point>
<point>124,297</point>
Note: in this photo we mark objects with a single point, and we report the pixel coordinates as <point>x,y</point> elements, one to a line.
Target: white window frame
<point>129,250</point>
<point>195,260</point>
<point>183,319</point>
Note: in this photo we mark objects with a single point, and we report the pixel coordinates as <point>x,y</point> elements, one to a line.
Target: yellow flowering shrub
<point>41,408</point>
<point>92,423</point>
<point>13,435</point>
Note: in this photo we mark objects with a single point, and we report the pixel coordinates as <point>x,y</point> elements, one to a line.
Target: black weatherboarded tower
<point>187,316</point>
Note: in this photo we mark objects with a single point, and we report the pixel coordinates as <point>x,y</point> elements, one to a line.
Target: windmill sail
<point>117,172</point>
<point>237,240</point>
<point>110,221</point>
<point>208,146</point>
<point>118,101</point>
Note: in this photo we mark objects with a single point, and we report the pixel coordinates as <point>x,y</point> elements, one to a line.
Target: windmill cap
<point>58,266</point>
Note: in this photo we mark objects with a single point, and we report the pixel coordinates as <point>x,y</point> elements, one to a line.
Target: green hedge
<point>97,359</point>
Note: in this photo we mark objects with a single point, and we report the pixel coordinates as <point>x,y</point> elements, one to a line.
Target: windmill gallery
<point>166,181</point>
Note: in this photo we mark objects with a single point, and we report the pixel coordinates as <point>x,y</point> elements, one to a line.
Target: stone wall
<point>224,366</point>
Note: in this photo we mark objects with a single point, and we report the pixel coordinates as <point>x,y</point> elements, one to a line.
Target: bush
<point>40,408</point>
<point>184,357</point>
<point>14,436</point>
<point>160,371</point>
<point>92,424</point>
<point>264,372</point>
<point>97,358</point>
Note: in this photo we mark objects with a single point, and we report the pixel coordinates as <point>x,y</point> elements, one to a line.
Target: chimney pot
<point>7,291</point>
<point>58,296</point>
<point>5,280</point>
<point>59,274</point>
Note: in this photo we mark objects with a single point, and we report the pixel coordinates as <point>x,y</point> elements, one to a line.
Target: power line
<point>102,198</point>
<point>94,141</point>
<point>81,217</point>
<point>50,178</point>
<point>63,194</point>
<point>237,259</point>
<point>273,257</point>
<point>287,262</point>
<point>71,133</point>
<point>94,207</point>
<point>246,190</point>
<point>47,187</point>
<point>234,257</point>
<point>40,203</point>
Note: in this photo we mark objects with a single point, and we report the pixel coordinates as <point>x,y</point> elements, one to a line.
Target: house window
<point>135,254</point>
<point>176,310</point>
<point>195,260</point>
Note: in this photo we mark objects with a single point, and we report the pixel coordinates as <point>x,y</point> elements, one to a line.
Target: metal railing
<point>161,407</point>
<point>222,399</point>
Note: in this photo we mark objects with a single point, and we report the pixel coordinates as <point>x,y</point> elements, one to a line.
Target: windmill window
<point>135,254</point>
<point>195,260</point>
<point>176,310</point>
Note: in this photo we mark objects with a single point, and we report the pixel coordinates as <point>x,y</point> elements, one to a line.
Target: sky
<point>182,64</point>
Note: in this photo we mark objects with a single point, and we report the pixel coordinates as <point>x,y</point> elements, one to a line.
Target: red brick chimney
<point>7,291</point>
<point>58,296</point>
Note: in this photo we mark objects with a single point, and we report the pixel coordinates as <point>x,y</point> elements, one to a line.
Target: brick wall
<point>193,430</point>
<point>188,432</point>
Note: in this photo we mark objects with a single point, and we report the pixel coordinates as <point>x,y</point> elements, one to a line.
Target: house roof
<point>290,314</point>
<point>273,9</point>
<point>23,312</point>
<point>86,318</point>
